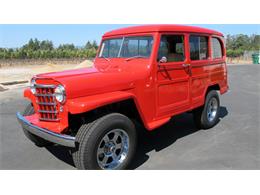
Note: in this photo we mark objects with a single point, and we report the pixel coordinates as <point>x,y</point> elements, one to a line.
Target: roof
<point>161,28</point>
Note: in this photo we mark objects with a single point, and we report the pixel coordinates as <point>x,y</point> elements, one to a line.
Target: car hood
<point>98,79</point>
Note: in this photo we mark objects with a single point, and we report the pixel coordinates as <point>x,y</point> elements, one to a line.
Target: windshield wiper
<point>107,59</point>
<point>134,57</point>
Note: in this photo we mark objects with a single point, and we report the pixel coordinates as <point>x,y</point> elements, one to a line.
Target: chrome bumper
<point>64,140</point>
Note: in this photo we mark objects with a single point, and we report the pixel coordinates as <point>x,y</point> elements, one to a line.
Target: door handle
<point>185,65</point>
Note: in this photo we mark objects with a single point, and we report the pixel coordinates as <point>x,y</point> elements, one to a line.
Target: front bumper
<point>61,139</point>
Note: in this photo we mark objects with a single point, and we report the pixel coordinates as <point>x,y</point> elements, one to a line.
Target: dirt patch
<point>25,62</point>
<point>26,72</point>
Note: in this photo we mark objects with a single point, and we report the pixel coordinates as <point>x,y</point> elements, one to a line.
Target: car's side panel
<point>206,73</point>
<point>173,84</point>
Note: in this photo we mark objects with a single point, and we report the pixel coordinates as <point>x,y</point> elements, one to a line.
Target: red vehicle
<point>144,74</point>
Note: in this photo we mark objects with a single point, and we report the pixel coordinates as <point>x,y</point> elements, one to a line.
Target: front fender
<point>27,93</point>
<point>85,104</point>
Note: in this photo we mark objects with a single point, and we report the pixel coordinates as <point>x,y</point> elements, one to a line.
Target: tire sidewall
<point>99,131</point>
<point>211,94</point>
<point>29,110</point>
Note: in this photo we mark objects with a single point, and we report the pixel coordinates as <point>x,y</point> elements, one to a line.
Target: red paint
<point>157,97</point>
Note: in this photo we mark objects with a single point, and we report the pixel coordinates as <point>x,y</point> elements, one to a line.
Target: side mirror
<point>163,60</point>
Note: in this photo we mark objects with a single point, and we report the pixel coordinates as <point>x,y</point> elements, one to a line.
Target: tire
<point>29,110</point>
<point>97,140</point>
<point>202,118</point>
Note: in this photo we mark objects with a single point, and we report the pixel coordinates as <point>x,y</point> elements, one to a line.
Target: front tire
<point>29,110</point>
<point>207,116</point>
<point>106,143</point>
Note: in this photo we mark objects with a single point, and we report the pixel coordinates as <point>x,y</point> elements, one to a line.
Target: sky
<point>13,36</point>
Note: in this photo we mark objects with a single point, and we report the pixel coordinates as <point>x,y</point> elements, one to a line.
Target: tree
<point>32,45</point>
<point>237,44</point>
<point>255,42</point>
<point>46,45</point>
<point>66,47</point>
<point>94,45</point>
<point>88,45</point>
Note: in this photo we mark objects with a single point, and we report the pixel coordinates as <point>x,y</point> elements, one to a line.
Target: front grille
<point>47,104</point>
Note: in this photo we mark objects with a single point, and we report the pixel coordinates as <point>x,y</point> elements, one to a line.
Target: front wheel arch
<point>126,107</point>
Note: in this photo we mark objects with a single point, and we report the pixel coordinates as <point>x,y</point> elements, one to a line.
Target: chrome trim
<point>185,65</point>
<point>44,95</point>
<point>212,109</point>
<point>48,111</point>
<point>44,86</point>
<point>113,149</point>
<point>49,119</point>
<point>46,103</point>
<point>121,46</point>
<point>61,139</point>
<point>63,93</point>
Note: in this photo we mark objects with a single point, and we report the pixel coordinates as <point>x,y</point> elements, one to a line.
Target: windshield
<point>126,47</point>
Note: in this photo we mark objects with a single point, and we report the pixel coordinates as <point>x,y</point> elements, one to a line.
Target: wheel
<point>106,143</point>
<point>207,116</point>
<point>29,110</point>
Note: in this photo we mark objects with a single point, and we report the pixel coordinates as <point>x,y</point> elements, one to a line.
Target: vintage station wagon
<point>143,74</point>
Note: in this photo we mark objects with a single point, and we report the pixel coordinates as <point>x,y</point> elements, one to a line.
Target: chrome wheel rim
<point>113,149</point>
<point>212,109</point>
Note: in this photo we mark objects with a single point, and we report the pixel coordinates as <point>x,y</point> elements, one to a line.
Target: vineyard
<point>236,46</point>
<point>36,49</point>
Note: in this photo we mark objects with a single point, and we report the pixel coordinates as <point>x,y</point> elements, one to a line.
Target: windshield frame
<point>123,37</point>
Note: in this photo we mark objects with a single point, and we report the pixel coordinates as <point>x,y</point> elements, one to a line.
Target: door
<point>173,75</point>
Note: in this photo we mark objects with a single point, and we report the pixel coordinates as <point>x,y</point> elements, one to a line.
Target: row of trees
<point>237,44</point>
<point>36,49</point>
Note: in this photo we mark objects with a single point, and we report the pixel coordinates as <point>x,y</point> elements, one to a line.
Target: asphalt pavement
<point>234,143</point>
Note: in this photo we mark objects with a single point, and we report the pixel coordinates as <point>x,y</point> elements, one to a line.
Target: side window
<point>216,48</point>
<point>198,47</point>
<point>171,48</point>
<point>137,46</point>
<point>110,48</point>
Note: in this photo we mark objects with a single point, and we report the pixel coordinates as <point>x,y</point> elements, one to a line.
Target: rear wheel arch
<point>207,115</point>
<point>215,87</point>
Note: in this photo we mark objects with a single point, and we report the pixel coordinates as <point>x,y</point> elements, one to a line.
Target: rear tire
<point>106,143</point>
<point>207,116</point>
<point>29,110</point>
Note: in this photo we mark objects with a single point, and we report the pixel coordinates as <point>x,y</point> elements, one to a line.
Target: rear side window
<point>198,47</point>
<point>216,48</point>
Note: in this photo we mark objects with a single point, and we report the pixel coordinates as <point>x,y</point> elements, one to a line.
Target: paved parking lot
<point>232,144</point>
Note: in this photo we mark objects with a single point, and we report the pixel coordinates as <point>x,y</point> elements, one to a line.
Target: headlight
<point>32,86</point>
<point>59,93</point>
